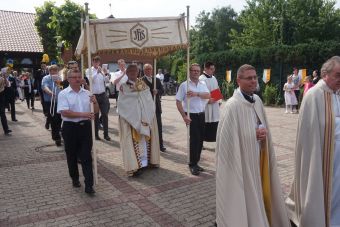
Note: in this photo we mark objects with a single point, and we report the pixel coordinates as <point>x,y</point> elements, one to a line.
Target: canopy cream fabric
<point>136,36</point>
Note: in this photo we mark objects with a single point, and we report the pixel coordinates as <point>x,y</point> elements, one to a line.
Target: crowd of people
<point>293,86</point>
<point>248,189</point>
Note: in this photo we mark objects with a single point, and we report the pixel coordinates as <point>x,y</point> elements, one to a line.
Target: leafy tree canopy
<point>272,22</point>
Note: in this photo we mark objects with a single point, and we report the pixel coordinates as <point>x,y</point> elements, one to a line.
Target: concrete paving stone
<point>38,190</point>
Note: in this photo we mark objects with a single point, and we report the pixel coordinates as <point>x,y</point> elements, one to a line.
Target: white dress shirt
<point>122,81</point>
<point>197,104</point>
<point>68,99</point>
<point>98,81</point>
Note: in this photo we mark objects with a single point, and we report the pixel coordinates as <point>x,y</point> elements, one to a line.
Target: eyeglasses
<point>250,78</point>
<point>195,70</point>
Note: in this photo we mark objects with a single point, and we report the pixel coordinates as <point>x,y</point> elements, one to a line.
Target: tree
<point>272,22</point>
<point>211,32</point>
<point>48,36</point>
<point>261,21</point>
<point>66,22</point>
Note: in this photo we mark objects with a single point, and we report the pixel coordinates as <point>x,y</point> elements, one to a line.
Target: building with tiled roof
<point>19,40</point>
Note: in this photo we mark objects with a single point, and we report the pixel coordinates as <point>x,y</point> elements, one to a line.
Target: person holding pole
<point>51,86</point>
<point>156,93</point>
<point>74,105</point>
<point>119,77</point>
<point>199,95</point>
<point>98,89</point>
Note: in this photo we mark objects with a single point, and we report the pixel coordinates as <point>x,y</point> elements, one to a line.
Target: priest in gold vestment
<point>248,190</point>
<point>138,131</point>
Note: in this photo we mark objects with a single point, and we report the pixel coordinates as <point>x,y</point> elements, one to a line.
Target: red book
<point>216,94</point>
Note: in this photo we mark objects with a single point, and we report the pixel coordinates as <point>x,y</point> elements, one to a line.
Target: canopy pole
<point>94,151</point>
<point>154,79</point>
<point>82,55</point>
<point>188,73</point>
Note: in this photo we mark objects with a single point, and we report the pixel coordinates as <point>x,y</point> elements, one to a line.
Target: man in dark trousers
<point>3,83</point>
<point>149,80</point>
<point>74,105</point>
<point>37,85</point>
<point>99,78</point>
<point>29,90</point>
<point>199,95</point>
<point>10,94</point>
<point>51,85</point>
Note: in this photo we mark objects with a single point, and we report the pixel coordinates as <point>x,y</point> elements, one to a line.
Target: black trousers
<point>45,110</point>
<point>54,120</point>
<point>29,98</point>
<point>78,144</point>
<point>11,103</point>
<point>160,129</point>
<point>297,94</point>
<point>196,137</point>
<point>104,106</point>
<point>2,112</point>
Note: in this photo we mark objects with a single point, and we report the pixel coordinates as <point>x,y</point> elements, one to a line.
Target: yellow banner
<point>303,74</point>
<point>266,75</point>
<point>228,75</point>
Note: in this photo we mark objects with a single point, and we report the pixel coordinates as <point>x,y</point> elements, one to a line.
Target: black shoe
<point>199,168</point>
<point>76,184</point>
<point>33,108</point>
<point>107,138</point>
<point>163,149</point>
<point>47,125</point>
<point>58,143</point>
<point>98,138</point>
<point>8,131</point>
<point>89,190</point>
<point>14,120</point>
<point>137,173</point>
<point>194,170</point>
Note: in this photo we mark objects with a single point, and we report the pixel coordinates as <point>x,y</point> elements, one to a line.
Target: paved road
<point>36,190</point>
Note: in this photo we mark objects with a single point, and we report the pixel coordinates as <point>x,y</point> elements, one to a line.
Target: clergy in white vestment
<point>248,191</point>
<point>138,129</point>
<point>212,109</point>
<point>314,200</point>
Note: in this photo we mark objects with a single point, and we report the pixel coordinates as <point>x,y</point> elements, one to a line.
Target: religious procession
<point>205,147</point>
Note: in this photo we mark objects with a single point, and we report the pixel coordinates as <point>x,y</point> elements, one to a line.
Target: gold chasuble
<point>248,190</point>
<point>138,129</point>
<point>309,202</point>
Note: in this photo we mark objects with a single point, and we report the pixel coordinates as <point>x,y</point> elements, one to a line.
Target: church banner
<point>228,76</point>
<point>266,75</point>
<point>135,36</point>
<point>303,74</point>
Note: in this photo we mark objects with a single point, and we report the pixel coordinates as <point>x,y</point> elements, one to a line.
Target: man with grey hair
<point>156,92</point>
<point>248,190</point>
<point>314,200</point>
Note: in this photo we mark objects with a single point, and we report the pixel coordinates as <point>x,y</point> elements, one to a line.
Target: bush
<point>227,89</point>
<point>270,94</point>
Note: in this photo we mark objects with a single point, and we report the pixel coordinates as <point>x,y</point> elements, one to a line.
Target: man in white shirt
<point>199,96</point>
<point>99,78</point>
<point>119,77</point>
<point>74,106</point>
<point>160,76</point>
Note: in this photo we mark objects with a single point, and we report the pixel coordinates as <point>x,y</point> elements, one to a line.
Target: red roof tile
<point>18,33</point>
